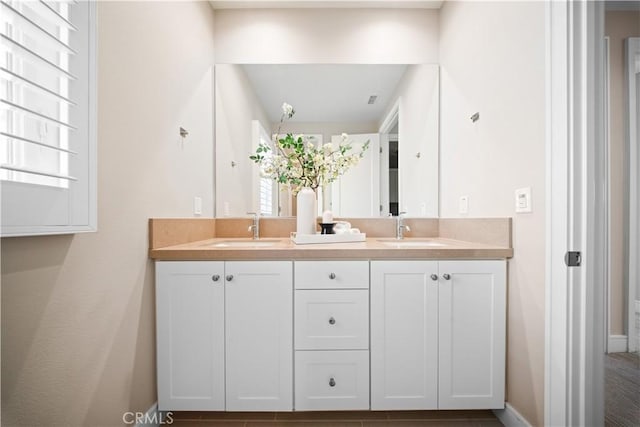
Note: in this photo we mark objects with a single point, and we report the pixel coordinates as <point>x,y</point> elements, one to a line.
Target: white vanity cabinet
<point>332,335</point>
<point>380,335</point>
<point>438,331</point>
<point>190,335</point>
<point>404,335</point>
<point>209,311</point>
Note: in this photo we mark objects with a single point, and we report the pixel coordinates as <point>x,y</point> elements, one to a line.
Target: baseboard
<point>152,418</point>
<point>509,417</point>
<point>617,344</point>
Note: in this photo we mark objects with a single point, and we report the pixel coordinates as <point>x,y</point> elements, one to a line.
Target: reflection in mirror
<point>393,106</point>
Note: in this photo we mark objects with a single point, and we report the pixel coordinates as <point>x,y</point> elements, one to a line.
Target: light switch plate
<point>523,200</point>
<point>464,205</point>
<point>197,205</point>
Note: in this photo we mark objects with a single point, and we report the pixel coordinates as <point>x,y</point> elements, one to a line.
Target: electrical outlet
<point>523,200</point>
<point>197,205</point>
<point>464,205</point>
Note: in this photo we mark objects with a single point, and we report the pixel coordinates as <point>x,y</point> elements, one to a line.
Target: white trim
<point>574,300</point>
<point>556,274</point>
<point>153,415</point>
<point>510,417</point>
<point>92,224</point>
<point>637,320</point>
<point>617,344</point>
<point>607,188</point>
<point>391,119</point>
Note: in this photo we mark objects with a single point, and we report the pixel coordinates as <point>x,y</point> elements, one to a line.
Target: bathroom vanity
<point>268,325</point>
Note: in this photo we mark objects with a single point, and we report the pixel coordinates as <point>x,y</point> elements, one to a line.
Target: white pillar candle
<point>327,217</point>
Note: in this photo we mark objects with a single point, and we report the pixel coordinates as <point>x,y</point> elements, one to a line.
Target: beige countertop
<point>373,248</point>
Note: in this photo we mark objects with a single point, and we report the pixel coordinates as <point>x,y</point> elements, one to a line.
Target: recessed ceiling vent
<point>372,99</point>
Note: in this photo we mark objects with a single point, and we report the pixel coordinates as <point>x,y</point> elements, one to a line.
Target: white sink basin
<point>243,244</point>
<point>412,243</point>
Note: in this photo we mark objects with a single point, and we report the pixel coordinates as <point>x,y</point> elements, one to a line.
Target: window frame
<point>79,200</point>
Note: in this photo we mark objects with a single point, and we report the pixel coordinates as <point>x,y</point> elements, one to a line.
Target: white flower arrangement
<point>296,162</point>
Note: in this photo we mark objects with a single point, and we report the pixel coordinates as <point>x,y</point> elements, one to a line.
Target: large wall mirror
<point>395,107</point>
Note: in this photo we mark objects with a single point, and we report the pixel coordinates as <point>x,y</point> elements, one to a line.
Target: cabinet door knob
<point>332,321</point>
<point>332,276</point>
<point>434,277</point>
<point>446,276</point>
<point>215,277</point>
<point>229,277</point>
<point>332,382</point>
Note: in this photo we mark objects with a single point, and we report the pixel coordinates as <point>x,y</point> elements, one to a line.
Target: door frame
<point>575,171</point>
<point>391,119</point>
<point>632,45</point>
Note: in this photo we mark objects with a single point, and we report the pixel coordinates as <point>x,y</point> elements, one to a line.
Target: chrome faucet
<point>400,227</point>
<point>256,225</point>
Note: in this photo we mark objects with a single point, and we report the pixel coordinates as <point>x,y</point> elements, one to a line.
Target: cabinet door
<point>259,335</point>
<point>472,334</point>
<point>190,335</point>
<point>404,335</point>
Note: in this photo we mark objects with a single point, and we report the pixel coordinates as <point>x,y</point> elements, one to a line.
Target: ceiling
<point>325,92</point>
<point>325,4</point>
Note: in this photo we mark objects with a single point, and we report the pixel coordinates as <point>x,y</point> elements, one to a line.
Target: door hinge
<point>573,259</point>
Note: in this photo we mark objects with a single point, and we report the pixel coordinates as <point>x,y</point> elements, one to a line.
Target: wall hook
<point>233,164</point>
<point>183,132</point>
<point>475,117</point>
<point>418,155</point>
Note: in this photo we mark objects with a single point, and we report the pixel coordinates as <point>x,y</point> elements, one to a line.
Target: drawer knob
<point>332,382</point>
<point>215,277</point>
<point>434,277</point>
<point>332,321</point>
<point>332,276</point>
<point>446,276</point>
<point>229,277</point>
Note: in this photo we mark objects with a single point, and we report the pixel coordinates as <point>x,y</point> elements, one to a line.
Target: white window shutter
<point>48,117</point>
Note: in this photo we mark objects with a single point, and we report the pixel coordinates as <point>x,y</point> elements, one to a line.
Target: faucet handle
<point>253,213</point>
<point>401,213</point>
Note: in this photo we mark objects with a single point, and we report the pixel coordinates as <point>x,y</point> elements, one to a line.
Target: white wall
<point>78,333</point>
<point>418,122</point>
<point>618,26</point>
<point>236,106</point>
<point>352,36</point>
<point>492,59</point>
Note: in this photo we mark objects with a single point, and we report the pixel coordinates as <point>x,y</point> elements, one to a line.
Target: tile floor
<point>337,419</point>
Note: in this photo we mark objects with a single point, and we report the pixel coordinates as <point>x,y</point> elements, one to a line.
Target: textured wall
<point>78,339</point>
<point>492,58</point>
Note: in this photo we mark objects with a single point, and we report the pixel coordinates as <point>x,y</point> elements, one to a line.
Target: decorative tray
<point>308,239</point>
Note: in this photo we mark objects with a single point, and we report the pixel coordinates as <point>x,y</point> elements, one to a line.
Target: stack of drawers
<point>331,335</point>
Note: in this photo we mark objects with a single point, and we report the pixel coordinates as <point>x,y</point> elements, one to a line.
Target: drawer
<point>332,319</point>
<point>331,274</point>
<point>331,380</point>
